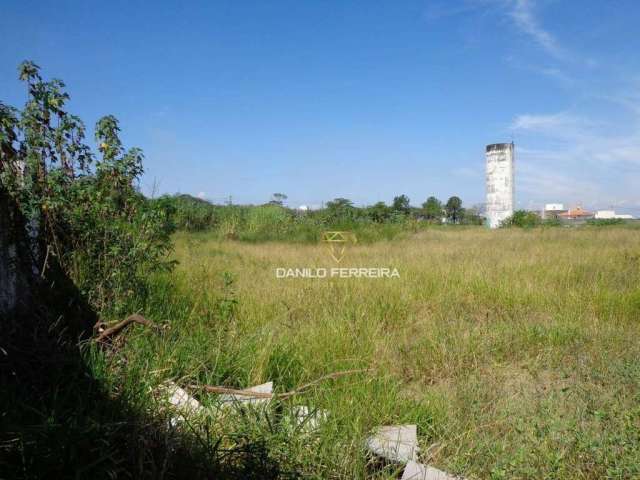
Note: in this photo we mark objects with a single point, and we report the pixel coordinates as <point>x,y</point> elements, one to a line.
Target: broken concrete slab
<point>244,399</point>
<point>419,471</point>
<point>395,443</point>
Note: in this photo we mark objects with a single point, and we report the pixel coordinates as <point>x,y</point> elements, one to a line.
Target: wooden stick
<point>291,393</point>
<point>230,391</point>
<point>118,327</point>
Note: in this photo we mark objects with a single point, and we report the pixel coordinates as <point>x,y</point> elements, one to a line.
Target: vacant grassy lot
<point>517,353</point>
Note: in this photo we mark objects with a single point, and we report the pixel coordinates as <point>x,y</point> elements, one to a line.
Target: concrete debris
<point>308,419</point>
<point>418,471</point>
<point>183,403</point>
<point>244,399</point>
<point>181,400</point>
<point>399,444</point>
<point>395,443</point>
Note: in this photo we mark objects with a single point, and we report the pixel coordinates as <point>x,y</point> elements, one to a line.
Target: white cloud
<point>522,12</point>
<point>544,177</point>
<point>584,158</point>
<point>562,126</point>
<point>556,74</point>
<point>582,162</point>
<point>541,179</point>
<point>628,98</point>
<point>201,195</point>
<point>583,138</point>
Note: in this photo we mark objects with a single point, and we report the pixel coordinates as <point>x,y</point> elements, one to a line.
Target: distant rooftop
<point>576,213</point>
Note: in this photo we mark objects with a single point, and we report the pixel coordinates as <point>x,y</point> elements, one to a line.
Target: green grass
<point>515,352</point>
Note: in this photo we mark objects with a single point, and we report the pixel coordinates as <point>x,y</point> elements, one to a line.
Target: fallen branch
<point>118,327</point>
<point>230,391</point>
<point>291,393</point>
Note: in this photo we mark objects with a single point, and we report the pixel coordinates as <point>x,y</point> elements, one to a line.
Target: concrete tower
<point>500,157</point>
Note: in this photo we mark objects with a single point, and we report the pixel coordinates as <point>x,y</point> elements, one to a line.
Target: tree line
<point>432,210</point>
<point>191,213</point>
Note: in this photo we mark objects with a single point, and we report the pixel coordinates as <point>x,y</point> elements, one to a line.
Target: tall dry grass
<point>515,352</point>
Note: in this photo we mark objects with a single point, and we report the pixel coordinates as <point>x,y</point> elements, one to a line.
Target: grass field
<point>515,352</point>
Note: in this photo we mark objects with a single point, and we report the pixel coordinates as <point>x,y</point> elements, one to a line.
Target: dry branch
<point>230,391</point>
<point>118,327</point>
<point>291,393</point>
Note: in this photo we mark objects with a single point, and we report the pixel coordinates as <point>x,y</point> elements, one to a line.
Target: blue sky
<point>358,99</point>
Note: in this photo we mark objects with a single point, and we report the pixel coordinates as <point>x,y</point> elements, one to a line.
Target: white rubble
<point>180,399</point>
<point>183,403</point>
<point>308,419</point>
<point>396,443</point>
<point>399,444</point>
<point>419,471</point>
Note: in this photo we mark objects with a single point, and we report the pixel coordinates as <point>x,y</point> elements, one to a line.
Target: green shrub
<point>85,210</point>
<point>552,222</point>
<point>522,219</point>
<point>190,213</point>
<point>605,222</point>
<point>267,222</point>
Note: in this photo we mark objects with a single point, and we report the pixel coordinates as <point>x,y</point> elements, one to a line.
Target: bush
<point>85,213</point>
<point>267,222</point>
<point>605,222</point>
<point>522,219</point>
<point>190,213</point>
<point>552,222</point>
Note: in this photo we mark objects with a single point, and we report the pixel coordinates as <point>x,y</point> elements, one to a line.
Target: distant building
<point>554,207</point>
<point>577,213</point>
<point>611,215</point>
<point>605,214</point>
<point>553,210</point>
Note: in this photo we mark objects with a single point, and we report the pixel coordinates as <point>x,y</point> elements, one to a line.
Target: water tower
<point>500,158</point>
